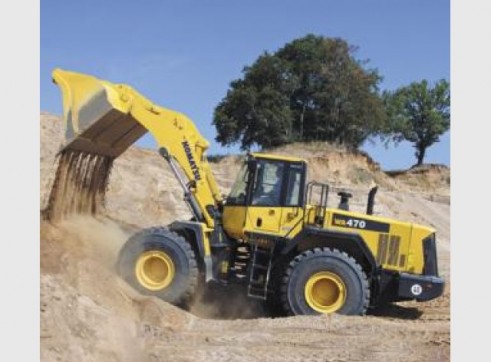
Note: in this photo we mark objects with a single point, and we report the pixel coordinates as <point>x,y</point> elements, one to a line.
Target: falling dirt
<point>80,184</point>
<point>89,314</point>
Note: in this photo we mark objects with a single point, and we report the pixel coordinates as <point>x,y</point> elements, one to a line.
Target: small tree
<point>419,114</point>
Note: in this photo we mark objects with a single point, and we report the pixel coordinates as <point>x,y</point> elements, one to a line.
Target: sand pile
<point>87,312</point>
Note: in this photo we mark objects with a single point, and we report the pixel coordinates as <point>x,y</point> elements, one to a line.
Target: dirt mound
<point>429,178</point>
<point>339,165</point>
<point>89,314</point>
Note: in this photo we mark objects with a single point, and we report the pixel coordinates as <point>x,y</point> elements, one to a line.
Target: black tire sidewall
<point>181,285</point>
<point>353,281</point>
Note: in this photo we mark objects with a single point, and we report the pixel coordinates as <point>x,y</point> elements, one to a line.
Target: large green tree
<point>418,113</point>
<point>311,89</point>
<point>256,109</point>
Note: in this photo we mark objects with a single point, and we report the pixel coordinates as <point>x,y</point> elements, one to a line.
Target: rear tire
<point>323,281</point>
<point>161,263</point>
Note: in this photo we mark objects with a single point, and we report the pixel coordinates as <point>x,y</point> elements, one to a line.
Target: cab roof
<point>270,156</point>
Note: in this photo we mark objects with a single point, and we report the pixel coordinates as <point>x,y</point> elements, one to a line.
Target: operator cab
<point>269,197</point>
<point>265,186</point>
<point>269,181</point>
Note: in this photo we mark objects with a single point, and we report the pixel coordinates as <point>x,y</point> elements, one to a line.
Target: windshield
<point>238,194</point>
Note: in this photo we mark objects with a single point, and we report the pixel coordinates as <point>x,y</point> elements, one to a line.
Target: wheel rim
<point>325,292</point>
<point>154,270</point>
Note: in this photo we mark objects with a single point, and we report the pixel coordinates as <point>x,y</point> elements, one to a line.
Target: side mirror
<point>344,200</point>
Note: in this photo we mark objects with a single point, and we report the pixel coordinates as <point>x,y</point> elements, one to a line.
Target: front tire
<point>324,281</point>
<point>161,263</point>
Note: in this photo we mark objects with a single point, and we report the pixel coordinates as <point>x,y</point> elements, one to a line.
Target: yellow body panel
<point>291,221</point>
<point>278,221</point>
<point>416,255</point>
<point>398,248</point>
<point>206,235</point>
<point>389,247</point>
<point>234,218</point>
<point>264,219</point>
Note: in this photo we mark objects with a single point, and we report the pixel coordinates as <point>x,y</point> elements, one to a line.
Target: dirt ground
<point>89,314</point>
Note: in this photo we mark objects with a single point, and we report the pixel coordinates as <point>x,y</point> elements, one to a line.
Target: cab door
<point>292,211</point>
<point>267,197</point>
<point>235,208</point>
<point>264,211</point>
<point>276,203</point>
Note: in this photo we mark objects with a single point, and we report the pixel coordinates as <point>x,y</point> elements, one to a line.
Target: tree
<point>311,89</point>
<point>256,109</point>
<point>418,113</point>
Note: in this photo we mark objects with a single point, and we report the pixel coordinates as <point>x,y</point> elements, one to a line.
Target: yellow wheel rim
<point>325,292</point>
<point>154,270</point>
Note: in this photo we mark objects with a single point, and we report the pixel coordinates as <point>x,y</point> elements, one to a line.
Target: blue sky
<point>183,54</point>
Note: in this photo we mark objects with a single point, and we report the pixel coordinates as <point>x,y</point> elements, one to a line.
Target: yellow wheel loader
<point>273,233</point>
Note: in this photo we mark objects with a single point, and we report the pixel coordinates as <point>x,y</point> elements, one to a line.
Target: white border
<point>19,187</point>
<point>470,140</point>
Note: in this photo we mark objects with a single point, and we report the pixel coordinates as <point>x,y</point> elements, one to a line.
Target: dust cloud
<point>96,237</point>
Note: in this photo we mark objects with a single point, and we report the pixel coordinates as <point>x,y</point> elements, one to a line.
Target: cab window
<point>267,184</point>
<point>294,186</point>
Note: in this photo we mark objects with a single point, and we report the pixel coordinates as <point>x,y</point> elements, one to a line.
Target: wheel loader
<point>274,233</point>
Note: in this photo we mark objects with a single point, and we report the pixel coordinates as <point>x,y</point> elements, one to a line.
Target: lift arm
<point>105,118</point>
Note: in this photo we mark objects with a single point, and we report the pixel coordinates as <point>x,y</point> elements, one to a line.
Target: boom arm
<point>105,118</point>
